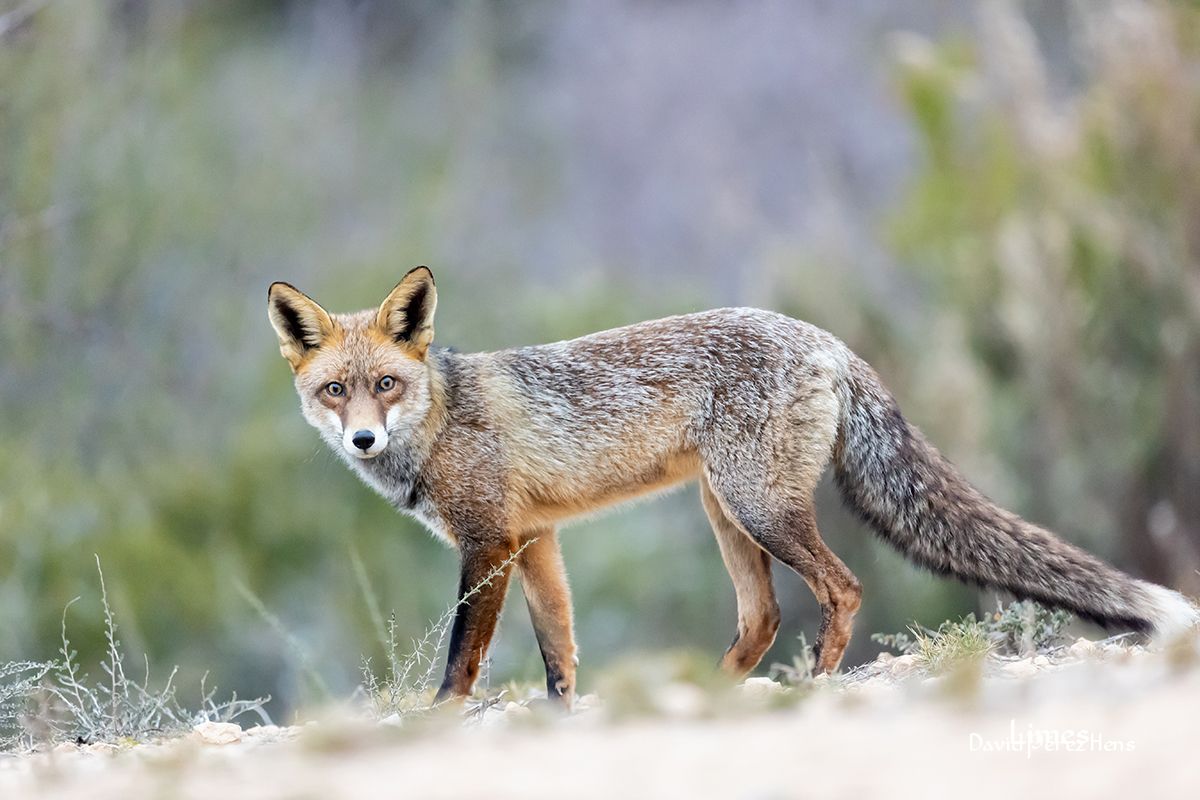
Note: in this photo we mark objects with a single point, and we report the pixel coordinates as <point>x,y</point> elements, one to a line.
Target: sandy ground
<point>1111,722</point>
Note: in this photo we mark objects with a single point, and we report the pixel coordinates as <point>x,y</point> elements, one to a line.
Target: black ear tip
<point>279,285</point>
<point>428,272</point>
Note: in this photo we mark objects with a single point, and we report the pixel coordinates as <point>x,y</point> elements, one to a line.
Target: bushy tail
<point>916,500</point>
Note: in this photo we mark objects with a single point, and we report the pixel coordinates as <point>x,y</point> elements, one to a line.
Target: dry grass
<point>56,701</point>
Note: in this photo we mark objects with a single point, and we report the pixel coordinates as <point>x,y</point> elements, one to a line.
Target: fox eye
<point>335,389</point>
<point>386,383</point>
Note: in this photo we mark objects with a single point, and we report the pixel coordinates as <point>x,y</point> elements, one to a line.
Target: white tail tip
<point>1172,613</point>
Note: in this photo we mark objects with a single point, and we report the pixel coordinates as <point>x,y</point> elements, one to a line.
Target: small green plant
<point>901,642</point>
<point>800,671</point>
<point>19,681</point>
<point>951,645</point>
<point>1024,628</point>
<point>1021,628</point>
<point>56,701</point>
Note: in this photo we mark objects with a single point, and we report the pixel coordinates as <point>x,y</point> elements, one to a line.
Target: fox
<point>494,451</point>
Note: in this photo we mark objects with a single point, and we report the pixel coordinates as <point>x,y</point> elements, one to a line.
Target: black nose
<point>363,440</point>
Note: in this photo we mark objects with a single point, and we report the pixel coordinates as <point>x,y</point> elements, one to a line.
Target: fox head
<point>362,378</point>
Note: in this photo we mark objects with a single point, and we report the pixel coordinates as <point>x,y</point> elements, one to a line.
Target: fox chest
<point>396,477</point>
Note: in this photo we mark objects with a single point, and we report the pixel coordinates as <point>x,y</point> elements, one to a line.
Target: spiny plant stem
<point>399,693</point>
<point>116,667</point>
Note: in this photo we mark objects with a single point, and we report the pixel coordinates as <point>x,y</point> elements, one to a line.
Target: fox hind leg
<point>837,590</point>
<point>791,536</point>
<point>765,485</point>
<point>750,568</point>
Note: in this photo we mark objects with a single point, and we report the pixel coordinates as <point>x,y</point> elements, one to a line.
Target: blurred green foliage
<point>1056,228</point>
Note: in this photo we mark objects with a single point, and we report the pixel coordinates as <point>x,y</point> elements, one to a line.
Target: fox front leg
<point>483,582</point>
<point>544,581</point>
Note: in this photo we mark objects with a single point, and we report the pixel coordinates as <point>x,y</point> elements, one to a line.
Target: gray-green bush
<point>56,701</point>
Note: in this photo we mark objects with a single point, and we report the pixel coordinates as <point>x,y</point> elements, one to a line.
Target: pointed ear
<point>299,322</point>
<point>407,313</point>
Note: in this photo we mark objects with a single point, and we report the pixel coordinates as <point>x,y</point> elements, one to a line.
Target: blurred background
<point>997,204</point>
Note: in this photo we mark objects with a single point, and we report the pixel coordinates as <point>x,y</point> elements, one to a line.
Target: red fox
<point>492,451</point>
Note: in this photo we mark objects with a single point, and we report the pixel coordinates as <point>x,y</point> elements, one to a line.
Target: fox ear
<point>407,313</point>
<point>299,322</point>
